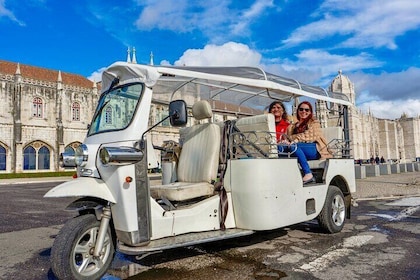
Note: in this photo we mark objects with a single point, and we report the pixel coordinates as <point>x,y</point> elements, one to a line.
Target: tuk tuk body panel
<point>343,168</point>
<point>125,210</point>
<point>201,216</point>
<point>268,193</point>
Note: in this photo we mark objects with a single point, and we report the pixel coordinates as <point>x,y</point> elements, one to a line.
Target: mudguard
<point>83,186</point>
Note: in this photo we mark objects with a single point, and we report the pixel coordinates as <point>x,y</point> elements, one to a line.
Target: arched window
<point>37,106</point>
<point>43,158</point>
<point>36,159</point>
<point>29,158</point>
<point>2,158</point>
<point>108,115</point>
<point>75,111</point>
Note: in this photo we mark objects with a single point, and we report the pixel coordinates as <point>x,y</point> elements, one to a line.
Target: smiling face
<point>304,111</point>
<point>277,111</point>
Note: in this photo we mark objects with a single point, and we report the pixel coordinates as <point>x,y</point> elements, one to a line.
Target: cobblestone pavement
<point>393,185</point>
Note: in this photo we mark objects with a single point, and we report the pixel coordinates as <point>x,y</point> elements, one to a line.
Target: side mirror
<point>178,113</point>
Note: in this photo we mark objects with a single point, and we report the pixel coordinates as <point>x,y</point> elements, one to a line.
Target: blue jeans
<point>301,157</point>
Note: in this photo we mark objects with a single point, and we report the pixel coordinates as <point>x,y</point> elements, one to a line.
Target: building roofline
<point>44,74</point>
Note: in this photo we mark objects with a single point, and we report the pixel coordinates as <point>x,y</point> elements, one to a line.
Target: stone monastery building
<point>395,140</point>
<point>45,112</point>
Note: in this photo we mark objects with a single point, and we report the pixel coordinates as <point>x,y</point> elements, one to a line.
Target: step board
<point>183,240</point>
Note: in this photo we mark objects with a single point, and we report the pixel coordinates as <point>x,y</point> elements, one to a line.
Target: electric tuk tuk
<point>229,179</point>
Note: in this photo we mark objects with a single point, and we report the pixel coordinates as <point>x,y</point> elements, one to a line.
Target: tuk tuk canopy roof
<point>243,86</point>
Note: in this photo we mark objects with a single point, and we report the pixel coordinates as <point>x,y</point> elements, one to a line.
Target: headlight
<point>81,155</point>
<point>120,155</point>
<point>67,160</point>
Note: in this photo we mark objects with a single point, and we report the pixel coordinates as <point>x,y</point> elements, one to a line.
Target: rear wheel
<point>333,214</point>
<point>72,251</point>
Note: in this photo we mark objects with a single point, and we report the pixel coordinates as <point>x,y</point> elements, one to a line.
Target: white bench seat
<point>198,160</point>
<point>260,134</point>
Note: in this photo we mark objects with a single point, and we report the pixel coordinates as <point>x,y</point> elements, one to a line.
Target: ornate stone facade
<point>397,140</point>
<point>42,113</point>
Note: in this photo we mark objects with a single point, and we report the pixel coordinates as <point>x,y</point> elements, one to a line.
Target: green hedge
<point>36,175</point>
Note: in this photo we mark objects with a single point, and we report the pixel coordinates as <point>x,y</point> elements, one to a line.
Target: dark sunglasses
<point>304,109</point>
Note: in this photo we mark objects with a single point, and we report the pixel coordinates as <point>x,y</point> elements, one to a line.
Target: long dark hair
<point>270,107</point>
<point>303,125</point>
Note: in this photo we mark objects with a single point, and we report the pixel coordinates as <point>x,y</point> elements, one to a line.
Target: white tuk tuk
<point>229,179</point>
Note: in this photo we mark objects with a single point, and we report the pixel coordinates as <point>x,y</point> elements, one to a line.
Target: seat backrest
<point>332,133</point>
<point>199,158</point>
<point>334,137</point>
<point>260,130</point>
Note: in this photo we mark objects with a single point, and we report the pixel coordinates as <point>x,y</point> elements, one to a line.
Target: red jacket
<point>281,128</point>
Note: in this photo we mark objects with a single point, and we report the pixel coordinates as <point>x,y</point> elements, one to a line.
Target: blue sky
<point>374,42</point>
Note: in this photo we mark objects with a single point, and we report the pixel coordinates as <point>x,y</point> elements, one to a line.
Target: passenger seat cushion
<point>182,191</point>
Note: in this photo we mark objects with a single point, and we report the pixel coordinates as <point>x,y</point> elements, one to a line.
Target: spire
<point>95,88</point>
<point>134,60</point>
<point>17,69</point>
<point>128,55</point>
<point>59,79</point>
<point>151,58</point>
<point>18,76</point>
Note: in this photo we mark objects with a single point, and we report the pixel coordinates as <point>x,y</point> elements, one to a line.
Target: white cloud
<point>182,15</point>
<point>97,75</point>
<point>4,12</point>
<point>165,63</point>
<point>392,109</point>
<point>228,54</point>
<point>164,14</point>
<point>244,20</point>
<point>215,19</point>
<point>327,63</point>
<point>362,24</point>
<point>388,95</point>
<point>389,86</point>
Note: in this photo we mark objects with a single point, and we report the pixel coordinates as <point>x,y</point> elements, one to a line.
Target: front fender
<point>83,186</point>
<point>83,204</point>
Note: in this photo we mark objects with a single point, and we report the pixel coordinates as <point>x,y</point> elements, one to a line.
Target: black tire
<point>333,214</point>
<point>72,251</point>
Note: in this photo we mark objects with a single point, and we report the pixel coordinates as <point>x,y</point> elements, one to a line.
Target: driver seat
<point>198,161</point>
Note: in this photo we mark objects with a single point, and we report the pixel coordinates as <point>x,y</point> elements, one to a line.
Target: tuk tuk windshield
<point>116,108</point>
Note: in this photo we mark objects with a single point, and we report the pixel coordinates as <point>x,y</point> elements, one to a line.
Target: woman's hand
<point>284,139</point>
<point>284,142</point>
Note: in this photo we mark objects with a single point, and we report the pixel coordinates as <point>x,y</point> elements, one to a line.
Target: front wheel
<point>332,216</point>
<point>72,251</point>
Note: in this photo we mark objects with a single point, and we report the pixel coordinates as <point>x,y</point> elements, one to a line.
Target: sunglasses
<point>304,109</point>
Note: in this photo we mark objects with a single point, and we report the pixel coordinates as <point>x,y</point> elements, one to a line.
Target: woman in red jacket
<point>281,118</point>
